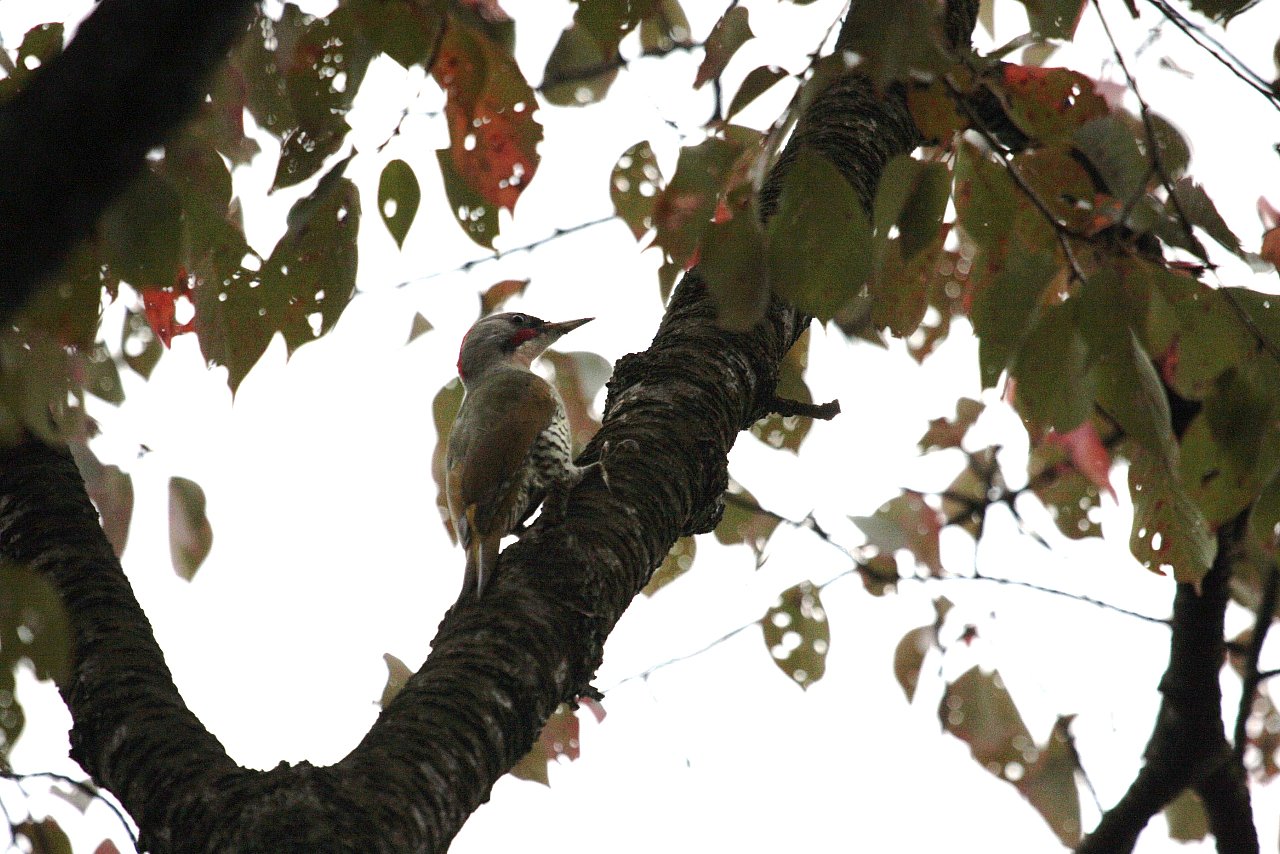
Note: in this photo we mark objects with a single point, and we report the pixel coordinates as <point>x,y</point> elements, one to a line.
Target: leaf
<point>797,634</point>
<point>756,83</point>
<point>398,197</point>
<point>580,69</point>
<point>300,291</point>
<point>398,674</point>
<point>678,561</point>
<point>788,432</point>
<point>111,491</point>
<point>1087,454</point>
<point>1054,19</point>
<point>419,327</point>
<point>683,210</point>
<point>896,41</point>
<point>1055,386</point>
<point>966,499</point>
<point>493,137</point>
<point>1203,213</point>
<point>729,33</point>
<point>634,187</point>
<point>666,27</point>
<point>444,409</point>
<point>733,264</point>
<point>1222,10</point>
<point>1050,104</point>
<point>1169,530</point>
<point>950,432</point>
<point>44,837</point>
<point>1050,783</point>
<point>1186,817</point>
<point>33,627</point>
<point>497,294</point>
<point>905,522</point>
<point>39,46</point>
<point>579,378</point>
<point>559,737</point>
<point>1209,338</point>
<point>912,196</point>
<point>819,240</point>
<point>190,534</point>
<point>1109,145</point>
<point>741,525</point>
<point>139,344</point>
<point>934,112</point>
<point>142,231</point>
<point>908,657</point>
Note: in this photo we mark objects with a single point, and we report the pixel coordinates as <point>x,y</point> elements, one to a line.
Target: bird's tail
<point>482,557</point>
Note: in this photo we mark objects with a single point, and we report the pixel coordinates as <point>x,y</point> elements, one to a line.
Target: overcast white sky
<point>328,551</point>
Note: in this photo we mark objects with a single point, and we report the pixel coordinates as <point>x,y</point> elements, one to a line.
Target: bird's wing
<point>481,471</point>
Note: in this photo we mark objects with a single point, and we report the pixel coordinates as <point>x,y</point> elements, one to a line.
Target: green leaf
<point>139,344</point>
<point>797,634</point>
<point>912,195</point>
<point>1050,104</point>
<point>1050,783</point>
<point>1068,495</point>
<point>730,33</point>
<point>741,525</point>
<point>788,432</point>
<point>300,291</point>
<point>1108,143</point>
<point>33,626</point>
<point>1130,392</point>
<point>1004,319</point>
<point>905,522</point>
<point>634,187</point>
<point>419,327</point>
<point>1201,212</point>
<point>43,837</point>
<point>1210,336</point>
<point>666,27</point>
<point>683,210</point>
<point>678,561</point>
<point>1222,10</point>
<point>755,84</point>
<point>733,264</point>
<point>142,233</point>
<point>40,45</point>
<point>1055,386</point>
<point>908,657</point>
<point>1054,19</point>
<point>398,197</point>
<point>580,69</point>
<point>1186,817</point>
<point>819,240</point>
<point>896,41</point>
<point>1169,530</point>
<point>190,534</point>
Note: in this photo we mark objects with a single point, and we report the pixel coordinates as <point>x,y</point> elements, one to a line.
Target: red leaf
<point>1089,456</point>
<point>160,306</point>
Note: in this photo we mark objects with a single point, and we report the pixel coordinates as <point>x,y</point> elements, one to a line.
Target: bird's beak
<point>558,329</point>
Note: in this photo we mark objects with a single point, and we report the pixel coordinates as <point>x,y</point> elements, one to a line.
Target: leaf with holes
<point>756,83</point>
<point>742,525</point>
<point>300,291</point>
<point>559,737</point>
<point>444,409</point>
<point>950,432</point>
<point>819,240</point>
<point>190,534</point>
<point>797,634</point>
<point>731,32</point>
<point>678,561</point>
<point>1169,529</point>
<point>398,197</point>
<point>493,137</point>
<point>905,522</point>
<point>634,187</point>
<point>788,432</point>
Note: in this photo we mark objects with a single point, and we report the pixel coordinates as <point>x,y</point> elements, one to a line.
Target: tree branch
<point>80,130</point>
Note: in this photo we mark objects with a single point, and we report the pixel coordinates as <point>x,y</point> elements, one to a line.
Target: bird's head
<point>509,338</point>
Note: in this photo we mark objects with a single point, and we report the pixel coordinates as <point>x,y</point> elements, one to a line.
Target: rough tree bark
<point>499,664</point>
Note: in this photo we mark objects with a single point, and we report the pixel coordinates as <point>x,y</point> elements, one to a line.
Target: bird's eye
<point>518,319</point>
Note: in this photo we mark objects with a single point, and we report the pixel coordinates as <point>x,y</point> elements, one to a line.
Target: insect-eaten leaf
<point>788,432</point>
<point>677,562</point>
<point>559,738</point>
<point>743,523</point>
<point>398,198</point>
<point>634,187</point>
<point>190,534</point>
<point>493,137</point>
<point>1169,530</point>
<point>977,709</point>
<point>906,522</point>
<point>797,634</point>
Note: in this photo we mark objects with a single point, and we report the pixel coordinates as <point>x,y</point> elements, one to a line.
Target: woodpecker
<point>510,441</point>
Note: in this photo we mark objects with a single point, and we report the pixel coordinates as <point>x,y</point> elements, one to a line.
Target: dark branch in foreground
<point>822,411</point>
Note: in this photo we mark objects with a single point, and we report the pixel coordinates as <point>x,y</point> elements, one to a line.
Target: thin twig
<point>647,672</point>
<point>85,788</point>
<point>618,63</point>
<point>496,255</point>
<point>1262,622</point>
<point>1234,64</point>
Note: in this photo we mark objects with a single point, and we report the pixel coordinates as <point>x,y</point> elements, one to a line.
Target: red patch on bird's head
<point>522,335</point>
